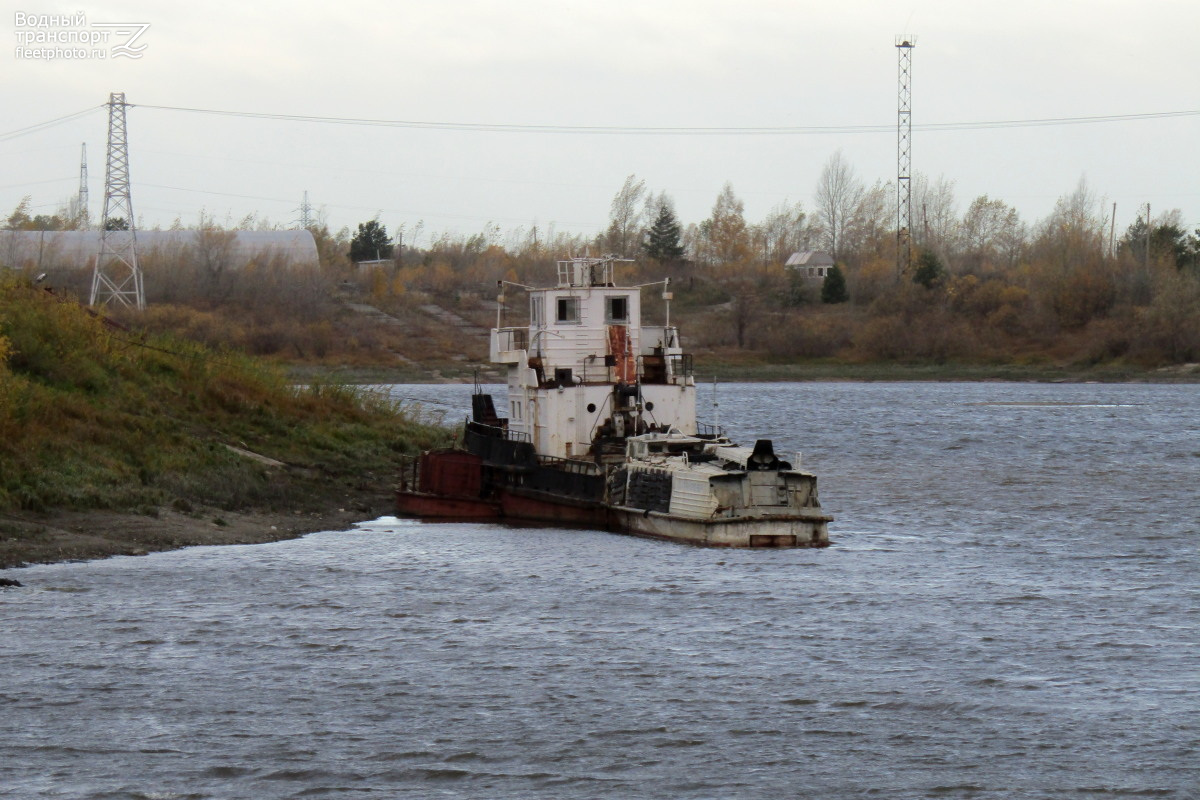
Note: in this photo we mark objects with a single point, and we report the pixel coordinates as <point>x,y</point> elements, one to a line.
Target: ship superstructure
<point>585,371</point>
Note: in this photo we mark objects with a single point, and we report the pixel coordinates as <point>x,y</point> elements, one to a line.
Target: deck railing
<point>512,339</point>
<point>571,465</point>
<point>410,473</point>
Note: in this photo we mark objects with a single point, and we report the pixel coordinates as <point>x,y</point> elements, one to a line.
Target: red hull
<point>432,506</point>
<point>531,506</point>
<point>509,507</point>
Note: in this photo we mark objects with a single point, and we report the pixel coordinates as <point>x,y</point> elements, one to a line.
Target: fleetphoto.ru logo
<point>48,37</point>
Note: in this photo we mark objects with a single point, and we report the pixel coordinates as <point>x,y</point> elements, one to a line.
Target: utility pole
<point>1112,234</point>
<point>1146,261</point>
<point>904,47</point>
<point>117,275</point>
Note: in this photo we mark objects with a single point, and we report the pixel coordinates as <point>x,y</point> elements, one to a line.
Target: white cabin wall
<point>574,344</point>
<point>586,422</point>
<point>674,405</point>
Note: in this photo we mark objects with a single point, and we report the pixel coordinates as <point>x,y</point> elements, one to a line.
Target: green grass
<point>97,417</point>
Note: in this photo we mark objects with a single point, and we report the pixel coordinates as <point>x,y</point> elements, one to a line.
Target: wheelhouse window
<point>537,313</point>
<point>568,309</point>
<point>617,309</point>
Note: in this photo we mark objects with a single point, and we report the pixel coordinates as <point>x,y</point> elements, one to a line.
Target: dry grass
<point>97,417</point>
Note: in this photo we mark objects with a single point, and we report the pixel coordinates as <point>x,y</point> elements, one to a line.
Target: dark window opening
<point>568,309</point>
<point>618,309</point>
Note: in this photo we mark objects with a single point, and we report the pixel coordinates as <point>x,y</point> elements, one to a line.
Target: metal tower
<point>81,200</point>
<point>117,275</point>
<point>306,219</point>
<point>904,48</point>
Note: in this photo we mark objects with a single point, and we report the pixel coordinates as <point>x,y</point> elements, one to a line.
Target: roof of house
<point>810,258</point>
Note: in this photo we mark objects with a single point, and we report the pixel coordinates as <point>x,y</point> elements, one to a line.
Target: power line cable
<point>675,131</point>
<point>41,126</point>
<point>434,214</point>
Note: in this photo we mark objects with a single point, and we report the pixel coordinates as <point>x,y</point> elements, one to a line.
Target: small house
<point>814,264</point>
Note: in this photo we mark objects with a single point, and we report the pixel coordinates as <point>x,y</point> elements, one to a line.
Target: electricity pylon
<point>117,275</point>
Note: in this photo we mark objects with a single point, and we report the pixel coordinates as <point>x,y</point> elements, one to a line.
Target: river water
<point>1009,610</point>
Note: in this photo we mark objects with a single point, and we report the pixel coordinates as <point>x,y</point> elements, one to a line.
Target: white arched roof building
<point>295,249</point>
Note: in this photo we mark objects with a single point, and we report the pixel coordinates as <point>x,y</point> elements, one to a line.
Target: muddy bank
<point>40,538</point>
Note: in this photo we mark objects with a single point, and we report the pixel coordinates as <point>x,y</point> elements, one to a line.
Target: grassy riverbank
<point>104,429</point>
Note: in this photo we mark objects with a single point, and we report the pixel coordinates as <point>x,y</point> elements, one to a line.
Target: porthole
<point>591,408</point>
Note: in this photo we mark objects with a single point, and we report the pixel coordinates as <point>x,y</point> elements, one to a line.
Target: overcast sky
<point>617,63</point>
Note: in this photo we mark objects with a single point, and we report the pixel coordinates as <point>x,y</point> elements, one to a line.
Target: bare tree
<point>935,215</point>
<point>991,234</point>
<point>869,220</point>
<point>212,253</point>
<point>784,231</point>
<point>1074,233</point>
<point>839,192</point>
<point>625,217</point>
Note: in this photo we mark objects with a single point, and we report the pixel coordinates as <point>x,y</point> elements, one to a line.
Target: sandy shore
<point>40,538</point>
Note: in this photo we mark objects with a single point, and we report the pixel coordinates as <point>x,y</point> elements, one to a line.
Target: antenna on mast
<point>904,47</point>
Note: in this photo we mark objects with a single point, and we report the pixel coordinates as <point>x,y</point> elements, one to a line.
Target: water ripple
<point>1008,611</point>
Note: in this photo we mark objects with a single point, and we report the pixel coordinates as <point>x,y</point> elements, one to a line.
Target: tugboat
<point>601,432</point>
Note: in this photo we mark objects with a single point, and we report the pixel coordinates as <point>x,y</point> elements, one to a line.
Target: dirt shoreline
<point>28,538</point>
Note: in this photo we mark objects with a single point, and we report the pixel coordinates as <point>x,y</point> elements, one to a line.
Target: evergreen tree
<point>1168,239</point>
<point>663,239</point>
<point>833,289</point>
<point>798,291</point>
<point>929,271</point>
<point>371,242</point>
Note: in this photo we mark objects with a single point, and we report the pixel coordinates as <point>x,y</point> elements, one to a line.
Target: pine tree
<point>833,290</point>
<point>371,242</point>
<point>663,239</point>
<point>930,271</point>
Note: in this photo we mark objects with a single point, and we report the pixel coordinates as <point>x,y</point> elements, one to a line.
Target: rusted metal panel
<point>621,349</point>
<point>521,505</point>
<point>451,473</point>
<point>439,507</point>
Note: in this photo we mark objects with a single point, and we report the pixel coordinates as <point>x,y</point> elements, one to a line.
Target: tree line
<point>984,283</point>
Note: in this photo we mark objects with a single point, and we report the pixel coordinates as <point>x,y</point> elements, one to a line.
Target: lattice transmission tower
<point>904,48</point>
<point>306,215</point>
<point>81,199</point>
<point>117,275</point>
